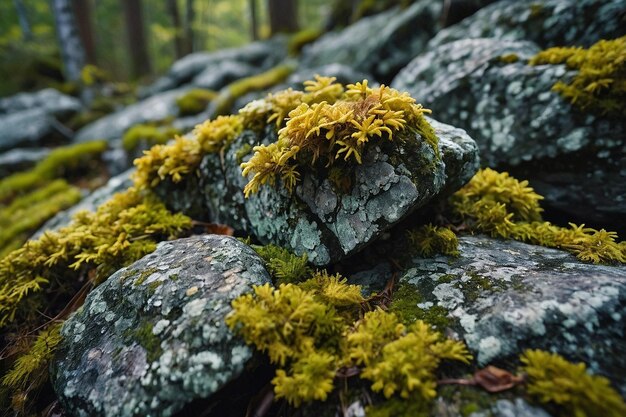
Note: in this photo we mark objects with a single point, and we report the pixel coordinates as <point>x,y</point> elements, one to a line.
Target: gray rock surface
<point>20,159</point>
<point>381,44</point>
<point>25,128</point>
<point>546,22</point>
<point>575,159</point>
<point>113,126</point>
<point>506,296</point>
<point>152,338</point>
<point>52,101</point>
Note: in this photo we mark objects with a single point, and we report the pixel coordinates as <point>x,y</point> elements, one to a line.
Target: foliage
<point>283,265</point>
<point>600,82</point>
<point>147,133</point>
<point>27,212</point>
<point>216,135</point>
<point>428,240</point>
<point>314,329</point>
<point>194,101</point>
<point>122,230</point>
<point>502,206</point>
<point>327,123</point>
<point>61,162</point>
<point>552,379</point>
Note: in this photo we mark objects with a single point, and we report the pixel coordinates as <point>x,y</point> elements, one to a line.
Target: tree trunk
<point>140,62</point>
<point>22,16</point>
<point>254,30</point>
<point>189,16</point>
<point>72,51</point>
<point>283,16</point>
<point>82,11</point>
<point>172,9</point>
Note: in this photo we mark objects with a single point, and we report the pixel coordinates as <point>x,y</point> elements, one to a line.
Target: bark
<point>188,36</point>
<point>72,50</point>
<point>140,61</point>
<point>283,16</point>
<point>22,16</point>
<point>172,9</point>
<point>254,30</point>
<point>82,11</point>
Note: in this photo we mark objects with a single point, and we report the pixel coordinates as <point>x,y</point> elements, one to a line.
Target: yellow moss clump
<point>428,240</point>
<point>502,206</point>
<point>122,230</point>
<point>328,123</point>
<point>314,329</point>
<point>554,380</point>
<point>298,40</point>
<point>216,135</point>
<point>600,82</point>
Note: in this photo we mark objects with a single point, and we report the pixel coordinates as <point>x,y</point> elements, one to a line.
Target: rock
<point>26,128</point>
<point>546,22</point>
<point>215,69</point>
<point>381,44</point>
<point>152,338</point>
<point>506,296</point>
<point>113,126</point>
<point>318,219</point>
<point>20,159</point>
<point>574,159</point>
<point>49,99</point>
<point>90,203</point>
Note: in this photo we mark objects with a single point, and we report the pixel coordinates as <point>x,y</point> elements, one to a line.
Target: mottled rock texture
<point>381,44</point>
<point>319,219</point>
<point>506,296</point>
<point>546,22</point>
<point>152,337</point>
<point>26,128</point>
<point>574,158</point>
<point>49,99</point>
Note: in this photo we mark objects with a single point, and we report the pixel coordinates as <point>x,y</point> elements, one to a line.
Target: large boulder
<point>318,219</point>
<point>546,22</point>
<point>26,128</point>
<point>503,297</point>
<point>49,99</point>
<point>573,158</point>
<point>152,338</point>
<point>20,159</point>
<point>381,44</point>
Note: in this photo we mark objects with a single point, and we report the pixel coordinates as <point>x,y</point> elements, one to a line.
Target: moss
<point>599,85</point>
<point>226,99</point>
<point>477,285</point>
<point>144,275</point>
<point>509,58</point>
<point>195,101</point>
<point>502,206</point>
<point>147,134</point>
<point>554,380</point>
<point>26,213</point>
<point>283,266</point>
<point>405,304</point>
<point>242,152</point>
<point>61,162</point>
<point>298,40</point>
<point>148,340</point>
<point>428,240</point>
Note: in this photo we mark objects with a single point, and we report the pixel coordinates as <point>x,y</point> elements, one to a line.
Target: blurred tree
<point>27,34</point>
<point>82,11</point>
<point>188,32</point>
<point>140,61</point>
<point>283,16</point>
<point>254,30</point>
<point>172,9</point>
<point>72,51</point>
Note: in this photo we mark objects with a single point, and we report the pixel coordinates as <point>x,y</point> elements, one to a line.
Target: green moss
<point>284,266</point>
<point>152,287</point>
<point>195,101</point>
<point>599,85</point>
<point>398,407</point>
<point>405,302</point>
<point>144,275</point>
<point>502,206</point>
<point>147,135</point>
<point>148,340</point>
<point>298,40</point>
<point>27,212</point>
<point>226,99</point>
<point>429,240</point>
<point>61,162</point>
<point>554,380</point>
<point>509,58</point>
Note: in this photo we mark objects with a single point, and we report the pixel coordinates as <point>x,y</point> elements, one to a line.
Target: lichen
<point>600,82</point>
<point>554,380</point>
<point>502,206</point>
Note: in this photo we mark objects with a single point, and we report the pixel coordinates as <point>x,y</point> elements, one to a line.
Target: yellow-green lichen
<point>339,126</point>
<point>405,304</point>
<point>600,82</point>
<point>502,206</point>
<point>145,337</point>
<point>195,101</point>
<point>147,135</point>
<point>553,380</point>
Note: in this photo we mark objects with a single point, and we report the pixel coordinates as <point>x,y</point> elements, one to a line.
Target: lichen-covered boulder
<point>152,338</point>
<point>26,128</point>
<point>20,159</point>
<point>504,296</point>
<point>380,44</point>
<point>319,220</point>
<point>52,101</point>
<point>546,22</point>
<point>486,86</point>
